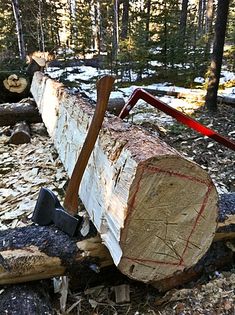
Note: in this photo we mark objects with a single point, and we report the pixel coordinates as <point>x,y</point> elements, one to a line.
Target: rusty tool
<point>48,209</point>
<point>186,120</point>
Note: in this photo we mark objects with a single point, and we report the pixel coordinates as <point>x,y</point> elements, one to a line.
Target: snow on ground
<point>86,77</point>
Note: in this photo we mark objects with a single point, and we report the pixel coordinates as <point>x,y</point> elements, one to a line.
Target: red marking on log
<point>196,221</point>
<point>154,169</point>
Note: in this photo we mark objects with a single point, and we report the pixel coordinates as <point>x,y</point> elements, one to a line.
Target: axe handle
<point>104,87</point>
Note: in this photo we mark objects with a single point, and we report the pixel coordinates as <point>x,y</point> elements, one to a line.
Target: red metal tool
<point>186,120</point>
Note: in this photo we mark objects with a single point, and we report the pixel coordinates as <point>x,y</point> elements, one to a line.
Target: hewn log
<point>29,298</point>
<point>10,114</point>
<point>155,211</point>
<point>34,253</point>
<point>20,133</point>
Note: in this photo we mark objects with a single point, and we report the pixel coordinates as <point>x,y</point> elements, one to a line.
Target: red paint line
<point>196,221</point>
<point>155,169</point>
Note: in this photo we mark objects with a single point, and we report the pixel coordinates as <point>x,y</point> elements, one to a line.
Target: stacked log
<point>155,211</point>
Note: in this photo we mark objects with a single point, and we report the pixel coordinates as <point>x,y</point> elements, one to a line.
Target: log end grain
<point>171,219</point>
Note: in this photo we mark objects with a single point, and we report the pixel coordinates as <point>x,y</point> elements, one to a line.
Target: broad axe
<point>48,209</point>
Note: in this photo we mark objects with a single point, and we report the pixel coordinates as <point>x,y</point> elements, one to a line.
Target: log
<point>20,133</point>
<point>28,298</point>
<point>34,253</point>
<point>14,86</point>
<point>194,95</point>
<point>226,99</point>
<point>155,211</point>
<point>226,220</point>
<point>115,105</point>
<point>10,114</point>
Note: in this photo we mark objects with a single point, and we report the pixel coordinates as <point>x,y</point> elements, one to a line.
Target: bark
<point>10,114</point>
<point>115,29</point>
<point>217,54</point>
<point>20,133</point>
<point>183,18</point>
<point>133,182</point>
<point>125,19</point>
<point>147,29</point>
<point>28,298</point>
<point>35,252</point>
<point>19,30</point>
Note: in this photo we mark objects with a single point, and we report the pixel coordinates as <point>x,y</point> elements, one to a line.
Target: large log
<point>12,113</point>
<point>34,253</point>
<point>155,211</point>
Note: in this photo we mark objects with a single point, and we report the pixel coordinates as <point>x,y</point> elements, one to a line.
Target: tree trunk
<point>19,30</point>
<point>148,9</point>
<point>115,28</point>
<point>183,19</point>
<point>10,114</point>
<point>217,54</point>
<point>125,19</point>
<point>133,182</point>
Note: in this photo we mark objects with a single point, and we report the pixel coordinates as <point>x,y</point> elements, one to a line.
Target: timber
<point>12,113</point>
<point>14,86</point>
<point>155,210</point>
<point>20,133</point>
<point>35,252</point>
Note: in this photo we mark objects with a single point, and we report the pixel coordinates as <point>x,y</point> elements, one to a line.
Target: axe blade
<point>48,210</point>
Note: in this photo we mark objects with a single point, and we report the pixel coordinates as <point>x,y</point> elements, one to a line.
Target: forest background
<point>170,40</point>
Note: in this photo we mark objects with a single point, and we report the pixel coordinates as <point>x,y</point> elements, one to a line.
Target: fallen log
<point>14,86</point>
<point>28,298</point>
<point>20,133</point>
<point>34,253</point>
<point>12,113</point>
<point>226,219</point>
<point>226,99</point>
<point>155,211</point>
<point>194,95</point>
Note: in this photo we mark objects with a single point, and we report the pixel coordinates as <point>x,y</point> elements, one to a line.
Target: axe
<point>48,209</point>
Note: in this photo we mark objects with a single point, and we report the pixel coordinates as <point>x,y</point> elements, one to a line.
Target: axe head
<point>48,210</point>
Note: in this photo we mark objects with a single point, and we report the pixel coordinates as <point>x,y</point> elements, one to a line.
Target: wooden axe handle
<point>104,87</point>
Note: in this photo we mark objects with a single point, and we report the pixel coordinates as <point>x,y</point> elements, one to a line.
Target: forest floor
<point>25,168</point>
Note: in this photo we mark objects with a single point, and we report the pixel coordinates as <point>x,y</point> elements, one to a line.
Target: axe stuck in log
<point>48,209</point>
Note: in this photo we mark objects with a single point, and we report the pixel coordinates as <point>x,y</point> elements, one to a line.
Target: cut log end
<point>172,214</point>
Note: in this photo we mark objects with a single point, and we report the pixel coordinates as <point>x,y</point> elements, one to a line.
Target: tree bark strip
<point>40,252</point>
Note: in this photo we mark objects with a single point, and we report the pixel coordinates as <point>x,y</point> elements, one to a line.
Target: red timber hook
<point>184,119</point>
